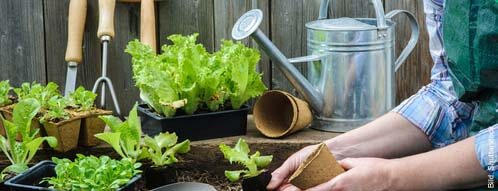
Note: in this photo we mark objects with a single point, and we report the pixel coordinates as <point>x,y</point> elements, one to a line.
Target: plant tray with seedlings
<point>69,119</point>
<point>186,87</point>
<point>254,178</point>
<point>157,152</point>
<point>84,173</point>
<point>197,126</point>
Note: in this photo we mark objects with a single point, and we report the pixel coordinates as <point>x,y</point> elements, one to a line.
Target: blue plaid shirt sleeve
<point>435,109</point>
<point>486,146</point>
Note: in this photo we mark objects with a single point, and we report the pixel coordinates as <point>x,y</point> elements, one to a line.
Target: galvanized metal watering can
<point>351,64</point>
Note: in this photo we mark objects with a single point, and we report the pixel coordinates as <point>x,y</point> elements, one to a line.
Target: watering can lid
<point>344,23</point>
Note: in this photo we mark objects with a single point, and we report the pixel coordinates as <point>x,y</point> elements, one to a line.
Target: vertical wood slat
<point>415,71</point>
<point>22,42</point>
<point>187,17</point>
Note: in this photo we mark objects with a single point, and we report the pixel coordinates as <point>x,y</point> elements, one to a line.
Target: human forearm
<point>455,166</point>
<point>389,136</point>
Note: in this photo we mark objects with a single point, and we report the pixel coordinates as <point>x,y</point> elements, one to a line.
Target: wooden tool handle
<point>106,18</point>
<point>148,24</point>
<point>75,30</point>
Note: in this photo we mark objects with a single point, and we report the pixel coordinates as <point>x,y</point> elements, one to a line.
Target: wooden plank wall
<point>33,37</point>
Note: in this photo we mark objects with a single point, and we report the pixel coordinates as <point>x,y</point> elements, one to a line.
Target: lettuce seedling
<point>20,153</point>
<point>41,93</point>
<point>56,110</point>
<point>92,173</point>
<point>187,77</point>
<point>82,99</point>
<point>240,154</point>
<point>125,137</point>
<point>4,93</point>
<point>162,148</point>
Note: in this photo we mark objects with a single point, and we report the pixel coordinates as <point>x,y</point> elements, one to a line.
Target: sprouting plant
<point>39,92</point>
<point>125,137</point>
<point>240,154</point>
<point>162,148</point>
<point>56,110</point>
<point>20,153</point>
<point>92,173</point>
<point>187,77</point>
<point>83,99</point>
<point>4,93</point>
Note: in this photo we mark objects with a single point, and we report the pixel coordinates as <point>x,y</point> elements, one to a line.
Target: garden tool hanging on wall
<point>147,22</point>
<point>106,33</point>
<point>74,51</point>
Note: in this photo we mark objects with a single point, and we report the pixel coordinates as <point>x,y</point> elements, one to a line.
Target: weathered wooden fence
<point>33,37</point>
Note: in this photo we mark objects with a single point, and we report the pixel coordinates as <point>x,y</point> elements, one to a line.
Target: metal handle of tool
<point>75,30</point>
<point>106,19</point>
<point>413,38</point>
<point>148,24</point>
<point>378,6</point>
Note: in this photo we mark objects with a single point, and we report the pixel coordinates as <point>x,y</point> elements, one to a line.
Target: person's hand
<point>362,174</point>
<point>281,175</point>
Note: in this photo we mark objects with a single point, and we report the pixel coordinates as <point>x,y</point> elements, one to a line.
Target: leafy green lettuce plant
<point>162,148</point>
<point>125,137</point>
<point>39,92</point>
<point>4,93</point>
<point>82,99</point>
<point>92,173</point>
<point>56,110</point>
<point>239,154</point>
<point>20,153</point>
<point>185,76</point>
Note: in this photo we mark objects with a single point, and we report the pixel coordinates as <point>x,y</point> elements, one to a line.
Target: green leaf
<point>233,176</point>
<point>83,99</point>
<point>4,93</point>
<point>240,155</point>
<point>23,113</point>
<point>162,148</point>
<point>113,140</point>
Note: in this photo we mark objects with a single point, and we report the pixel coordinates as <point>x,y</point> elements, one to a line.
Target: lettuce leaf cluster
<point>186,77</point>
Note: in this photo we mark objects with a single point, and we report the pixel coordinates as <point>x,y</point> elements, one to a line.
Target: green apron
<point>470,30</point>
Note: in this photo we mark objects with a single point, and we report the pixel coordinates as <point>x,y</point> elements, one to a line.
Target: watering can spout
<point>246,26</point>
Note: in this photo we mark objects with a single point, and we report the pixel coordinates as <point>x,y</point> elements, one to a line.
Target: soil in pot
<point>318,168</point>
<point>257,183</point>
<point>158,176</point>
<point>66,132</point>
<point>91,124</point>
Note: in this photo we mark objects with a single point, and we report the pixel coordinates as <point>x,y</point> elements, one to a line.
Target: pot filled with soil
<point>320,167</point>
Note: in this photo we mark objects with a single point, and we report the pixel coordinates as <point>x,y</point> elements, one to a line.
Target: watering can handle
<point>413,38</point>
<point>379,12</point>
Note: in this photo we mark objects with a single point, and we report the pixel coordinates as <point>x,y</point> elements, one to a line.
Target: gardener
<point>443,137</point>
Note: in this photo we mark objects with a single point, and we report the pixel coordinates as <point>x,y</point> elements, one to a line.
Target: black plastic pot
<point>197,126</point>
<point>257,183</point>
<point>30,179</point>
<point>158,176</point>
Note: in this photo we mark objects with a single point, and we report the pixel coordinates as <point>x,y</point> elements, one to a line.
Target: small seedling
<point>55,110</point>
<point>162,148</point>
<point>4,93</point>
<point>125,137</point>
<point>254,165</point>
<point>20,153</point>
<point>92,173</point>
<point>82,99</point>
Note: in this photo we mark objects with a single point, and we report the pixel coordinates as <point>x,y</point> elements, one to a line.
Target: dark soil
<point>257,183</point>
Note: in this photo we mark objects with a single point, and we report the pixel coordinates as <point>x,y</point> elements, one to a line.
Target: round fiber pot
<point>278,113</point>
<point>318,168</point>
